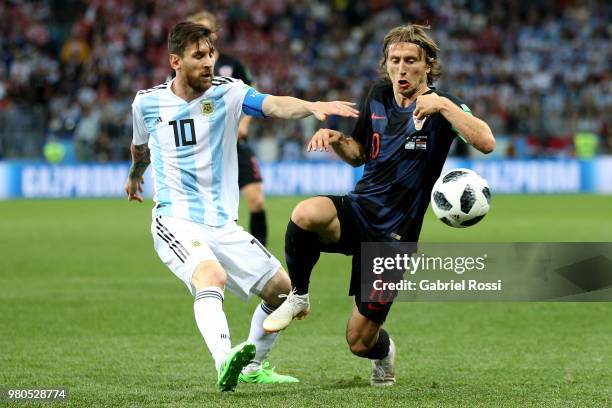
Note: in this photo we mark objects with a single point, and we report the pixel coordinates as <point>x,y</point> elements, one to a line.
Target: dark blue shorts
<point>352,234</point>
<point>248,168</point>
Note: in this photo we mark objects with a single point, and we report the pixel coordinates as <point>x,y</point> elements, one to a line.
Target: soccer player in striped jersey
<point>250,181</point>
<point>186,129</point>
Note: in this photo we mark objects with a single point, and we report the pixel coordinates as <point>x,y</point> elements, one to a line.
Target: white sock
<point>263,341</point>
<point>211,320</point>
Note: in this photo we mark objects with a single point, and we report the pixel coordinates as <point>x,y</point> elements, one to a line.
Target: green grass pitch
<point>86,304</point>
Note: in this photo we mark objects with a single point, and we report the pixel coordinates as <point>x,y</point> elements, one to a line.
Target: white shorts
<point>183,244</point>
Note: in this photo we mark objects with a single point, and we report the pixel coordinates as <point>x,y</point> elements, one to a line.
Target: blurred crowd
<point>538,72</point>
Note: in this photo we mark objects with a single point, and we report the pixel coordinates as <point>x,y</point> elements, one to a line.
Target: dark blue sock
<point>258,226</point>
<point>301,253</point>
<point>381,348</point>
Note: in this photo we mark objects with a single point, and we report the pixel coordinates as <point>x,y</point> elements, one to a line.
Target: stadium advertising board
<point>39,180</point>
<point>603,168</point>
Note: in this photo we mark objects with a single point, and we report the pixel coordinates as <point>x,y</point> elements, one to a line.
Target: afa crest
<point>207,107</point>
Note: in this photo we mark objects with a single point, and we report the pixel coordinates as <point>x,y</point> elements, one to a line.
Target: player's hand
<point>323,139</point>
<point>427,105</point>
<point>321,110</point>
<point>133,188</point>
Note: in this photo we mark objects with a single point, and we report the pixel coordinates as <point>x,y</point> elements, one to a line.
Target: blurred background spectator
<point>538,71</point>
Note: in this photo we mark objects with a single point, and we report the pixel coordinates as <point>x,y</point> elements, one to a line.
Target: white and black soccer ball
<point>460,198</point>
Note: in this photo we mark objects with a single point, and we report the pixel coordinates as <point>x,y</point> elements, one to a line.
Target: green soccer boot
<point>266,375</point>
<point>230,369</point>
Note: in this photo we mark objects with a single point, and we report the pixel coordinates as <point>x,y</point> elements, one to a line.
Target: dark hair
<point>415,34</point>
<point>185,33</point>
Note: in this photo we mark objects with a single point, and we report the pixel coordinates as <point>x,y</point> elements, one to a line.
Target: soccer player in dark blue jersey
<point>403,135</point>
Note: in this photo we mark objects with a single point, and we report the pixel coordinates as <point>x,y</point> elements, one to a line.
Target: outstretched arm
<point>140,161</point>
<point>288,107</point>
<point>347,148</point>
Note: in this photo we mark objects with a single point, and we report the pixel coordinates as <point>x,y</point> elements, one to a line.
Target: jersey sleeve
<point>246,100</point>
<point>460,103</point>
<point>363,127</point>
<point>140,134</point>
<point>252,104</point>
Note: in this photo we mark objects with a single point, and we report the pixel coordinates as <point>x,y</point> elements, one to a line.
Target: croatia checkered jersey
<point>193,147</point>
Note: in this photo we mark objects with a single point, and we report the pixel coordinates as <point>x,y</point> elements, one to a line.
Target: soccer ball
<point>460,198</point>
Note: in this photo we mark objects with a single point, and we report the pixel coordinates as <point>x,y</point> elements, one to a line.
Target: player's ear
<point>429,63</point>
<point>174,61</point>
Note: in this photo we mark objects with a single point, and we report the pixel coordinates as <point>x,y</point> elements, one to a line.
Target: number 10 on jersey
<point>181,133</point>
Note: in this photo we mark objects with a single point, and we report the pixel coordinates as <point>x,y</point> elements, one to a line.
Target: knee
<point>280,284</point>
<point>254,197</point>
<point>255,202</point>
<point>209,274</point>
<point>304,216</point>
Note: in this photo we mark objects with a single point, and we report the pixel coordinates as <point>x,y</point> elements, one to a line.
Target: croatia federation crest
<point>207,107</point>
<point>418,123</point>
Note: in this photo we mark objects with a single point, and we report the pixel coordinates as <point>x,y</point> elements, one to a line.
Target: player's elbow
<point>357,162</point>
<point>358,158</point>
<point>487,142</point>
<point>488,146</point>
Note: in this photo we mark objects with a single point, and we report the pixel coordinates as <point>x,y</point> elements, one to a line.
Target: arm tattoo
<point>140,160</point>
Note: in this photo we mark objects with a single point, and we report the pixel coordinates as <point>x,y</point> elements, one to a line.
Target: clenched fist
<point>427,105</point>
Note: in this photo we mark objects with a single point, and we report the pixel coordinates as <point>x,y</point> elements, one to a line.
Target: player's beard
<point>198,83</point>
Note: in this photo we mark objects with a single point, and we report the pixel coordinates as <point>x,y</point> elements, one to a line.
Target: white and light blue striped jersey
<point>193,147</point>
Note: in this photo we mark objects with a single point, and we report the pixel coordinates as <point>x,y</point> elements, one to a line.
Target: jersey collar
<point>171,92</point>
<point>410,107</point>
